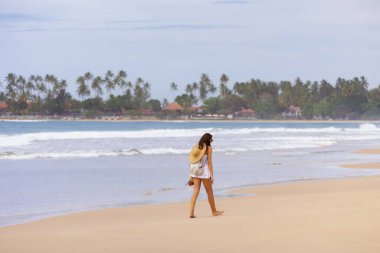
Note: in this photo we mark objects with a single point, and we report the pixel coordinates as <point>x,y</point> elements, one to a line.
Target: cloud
<point>131,21</point>
<point>183,27</point>
<point>113,25</point>
<point>232,2</point>
<point>168,27</point>
<point>21,17</point>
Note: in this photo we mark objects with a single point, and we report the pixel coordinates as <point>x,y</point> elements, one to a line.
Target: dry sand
<point>334,216</point>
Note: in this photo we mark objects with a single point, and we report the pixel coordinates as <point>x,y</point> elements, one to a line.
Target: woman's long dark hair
<point>205,140</point>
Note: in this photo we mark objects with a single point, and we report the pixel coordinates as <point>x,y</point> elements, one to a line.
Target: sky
<point>176,41</point>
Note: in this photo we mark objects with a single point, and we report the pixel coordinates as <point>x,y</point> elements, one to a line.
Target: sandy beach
<point>341,215</point>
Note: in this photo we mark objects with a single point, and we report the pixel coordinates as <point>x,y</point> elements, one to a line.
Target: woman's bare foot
<point>216,213</point>
<point>192,216</point>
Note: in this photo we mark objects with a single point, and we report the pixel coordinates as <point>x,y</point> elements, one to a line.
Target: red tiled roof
<point>173,107</point>
<point>3,105</point>
<point>249,110</point>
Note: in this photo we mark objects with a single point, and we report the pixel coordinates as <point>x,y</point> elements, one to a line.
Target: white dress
<point>206,170</point>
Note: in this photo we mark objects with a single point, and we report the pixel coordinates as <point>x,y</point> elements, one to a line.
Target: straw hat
<point>196,153</point>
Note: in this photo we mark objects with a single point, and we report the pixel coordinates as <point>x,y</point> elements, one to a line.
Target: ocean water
<point>54,167</point>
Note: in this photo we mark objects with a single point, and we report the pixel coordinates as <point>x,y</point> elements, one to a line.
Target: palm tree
<point>2,93</point>
<point>88,76</point>
<point>146,90</point>
<point>21,87</point>
<point>121,82</point>
<point>189,98</point>
<point>141,92</point>
<point>2,96</point>
<point>224,91</point>
<point>286,95</point>
<point>96,86</point>
<point>205,86</point>
<point>40,86</point>
<point>364,84</point>
<point>82,89</point>
<point>301,92</point>
<point>138,93</point>
<point>189,89</point>
<point>194,87</point>
<point>325,89</point>
<point>11,87</point>
<point>129,86</point>
<point>50,83</point>
<point>30,87</point>
<point>62,98</point>
<point>60,86</point>
<point>344,87</point>
<point>173,86</point>
<point>109,82</point>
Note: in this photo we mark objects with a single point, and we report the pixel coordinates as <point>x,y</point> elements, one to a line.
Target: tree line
<point>114,94</point>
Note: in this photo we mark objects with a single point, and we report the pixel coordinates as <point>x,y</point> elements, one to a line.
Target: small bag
<point>190,182</point>
<point>196,168</point>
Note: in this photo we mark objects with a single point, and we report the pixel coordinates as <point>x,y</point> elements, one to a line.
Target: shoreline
<point>316,211</point>
<point>37,119</point>
<point>233,192</point>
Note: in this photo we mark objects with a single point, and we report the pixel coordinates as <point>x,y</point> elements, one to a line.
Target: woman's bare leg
<point>197,187</point>
<point>210,194</point>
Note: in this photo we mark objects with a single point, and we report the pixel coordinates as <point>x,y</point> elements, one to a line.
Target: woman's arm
<point>209,161</point>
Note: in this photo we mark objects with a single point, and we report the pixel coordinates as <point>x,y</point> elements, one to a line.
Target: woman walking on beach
<point>202,153</point>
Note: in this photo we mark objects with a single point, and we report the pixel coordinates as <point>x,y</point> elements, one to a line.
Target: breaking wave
<point>365,131</point>
<point>90,144</point>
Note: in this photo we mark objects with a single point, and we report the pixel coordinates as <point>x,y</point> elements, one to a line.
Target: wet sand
<point>372,165</point>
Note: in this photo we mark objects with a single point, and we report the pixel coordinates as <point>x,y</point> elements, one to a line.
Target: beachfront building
<point>147,112</point>
<point>3,107</point>
<point>294,112</point>
<point>173,107</point>
<point>246,113</point>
